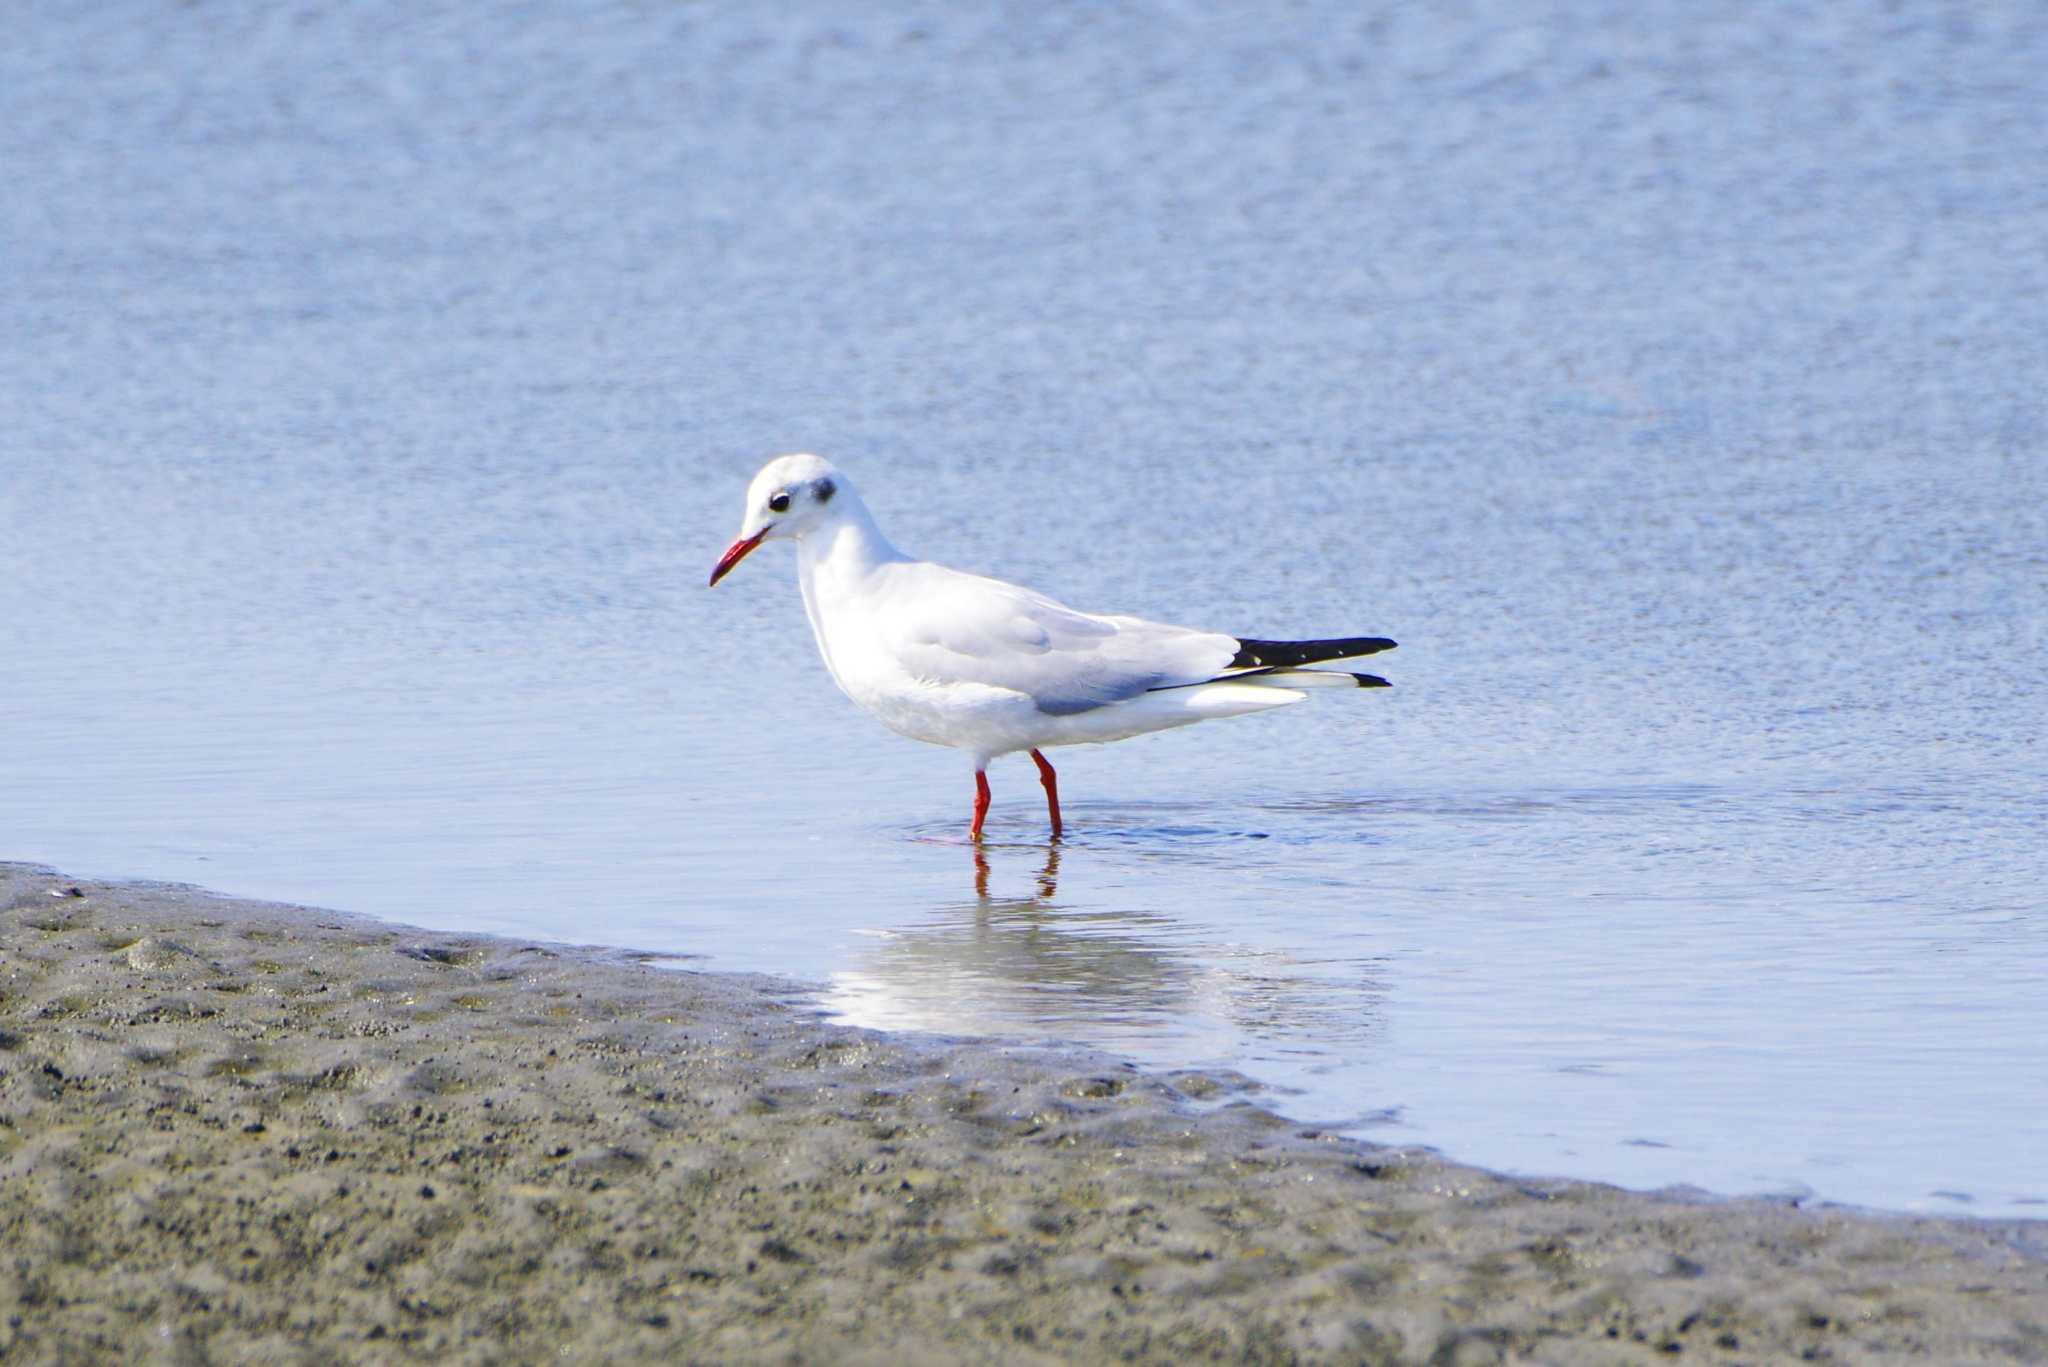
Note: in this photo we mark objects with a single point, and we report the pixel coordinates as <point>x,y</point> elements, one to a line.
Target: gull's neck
<point>834,561</point>
<point>845,550</point>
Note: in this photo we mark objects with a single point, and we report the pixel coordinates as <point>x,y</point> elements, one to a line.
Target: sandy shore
<point>236,1132</point>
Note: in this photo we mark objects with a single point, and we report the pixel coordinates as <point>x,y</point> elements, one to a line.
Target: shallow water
<point>381,385</point>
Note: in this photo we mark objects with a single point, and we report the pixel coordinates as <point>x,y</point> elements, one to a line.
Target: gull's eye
<point>778,503</point>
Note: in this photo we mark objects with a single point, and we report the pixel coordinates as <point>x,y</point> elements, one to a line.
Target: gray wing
<point>946,627</point>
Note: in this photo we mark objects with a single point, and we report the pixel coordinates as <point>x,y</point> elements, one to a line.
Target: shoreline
<point>237,1129</point>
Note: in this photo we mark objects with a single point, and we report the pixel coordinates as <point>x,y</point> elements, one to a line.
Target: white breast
<point>844,607</point>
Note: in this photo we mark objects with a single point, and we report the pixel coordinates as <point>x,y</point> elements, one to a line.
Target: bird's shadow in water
<point>1169,827</point>
<point>1159,840</point>
<point>1151,829</point>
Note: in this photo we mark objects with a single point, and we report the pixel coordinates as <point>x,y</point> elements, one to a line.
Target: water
<point>378,385</point>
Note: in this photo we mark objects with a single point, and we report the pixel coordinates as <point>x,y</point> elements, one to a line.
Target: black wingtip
<point>1371,681</point>
<point>1290,654</point>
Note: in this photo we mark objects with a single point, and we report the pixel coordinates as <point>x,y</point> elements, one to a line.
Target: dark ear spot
<point>826,488</point>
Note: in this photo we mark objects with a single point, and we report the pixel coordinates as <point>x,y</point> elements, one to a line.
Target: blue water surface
<point>379,382</point>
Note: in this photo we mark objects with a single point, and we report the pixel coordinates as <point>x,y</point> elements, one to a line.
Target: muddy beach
<point>241,1132</point>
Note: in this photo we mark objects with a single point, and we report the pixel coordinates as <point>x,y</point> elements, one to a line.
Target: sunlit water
<point>378,386</point>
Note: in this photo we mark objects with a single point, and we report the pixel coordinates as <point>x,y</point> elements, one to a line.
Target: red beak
<point>735,553</point>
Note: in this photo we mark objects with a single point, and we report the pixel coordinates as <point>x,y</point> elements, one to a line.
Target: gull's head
<point>791,496</point>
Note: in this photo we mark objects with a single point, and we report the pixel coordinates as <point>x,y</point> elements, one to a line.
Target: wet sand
<point>232,1131</point>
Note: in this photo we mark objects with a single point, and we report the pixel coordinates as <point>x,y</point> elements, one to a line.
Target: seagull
<point>991,668</point>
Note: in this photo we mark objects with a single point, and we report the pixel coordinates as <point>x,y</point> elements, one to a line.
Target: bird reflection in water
<point>1095,973</point>
<point>1048,876</point>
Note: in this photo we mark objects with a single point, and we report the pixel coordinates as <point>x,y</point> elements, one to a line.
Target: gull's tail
<point>1278,676</point>
<point>1252,655</point>
<point>1279,665</point>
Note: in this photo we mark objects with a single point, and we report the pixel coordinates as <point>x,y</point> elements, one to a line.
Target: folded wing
<point>946,627</point>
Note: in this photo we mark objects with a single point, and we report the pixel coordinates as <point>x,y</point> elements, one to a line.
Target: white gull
<point>991,668</point>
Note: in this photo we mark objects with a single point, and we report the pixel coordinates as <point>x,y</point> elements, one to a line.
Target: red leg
<point>1052,790</point>
<point>980,802</point>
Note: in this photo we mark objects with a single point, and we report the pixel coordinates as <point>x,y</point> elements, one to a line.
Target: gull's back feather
<point>947,627</point>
